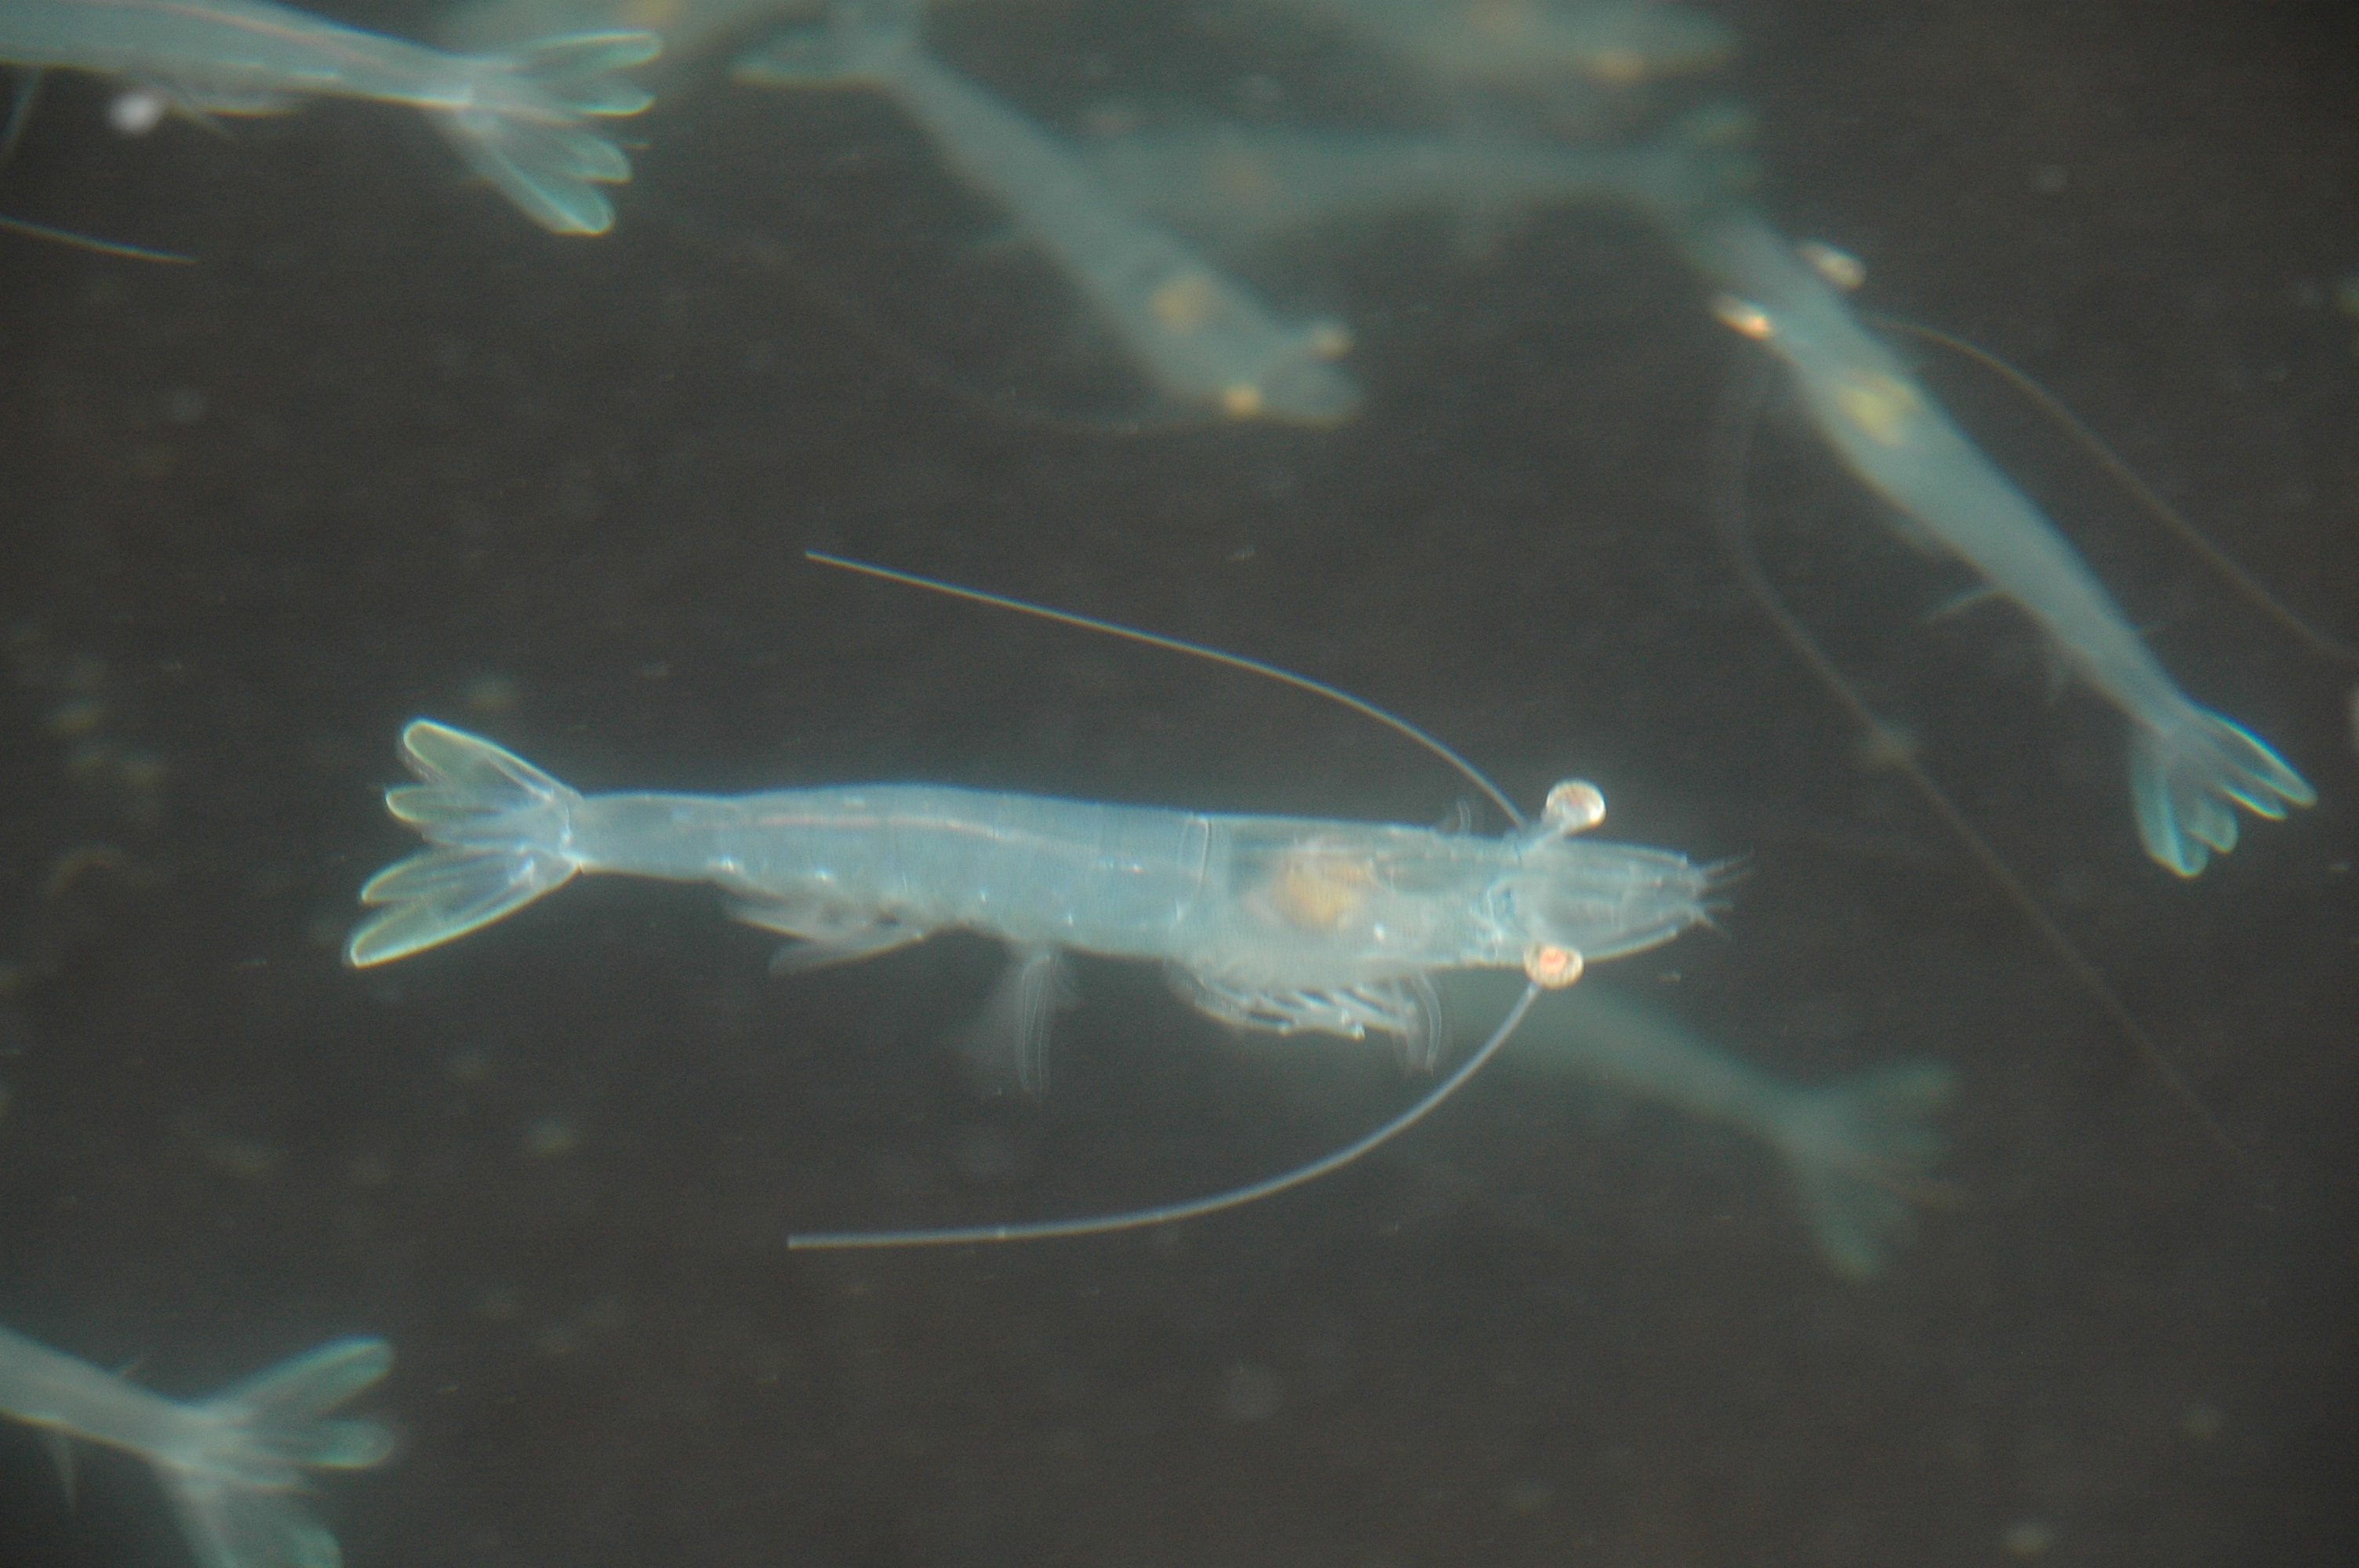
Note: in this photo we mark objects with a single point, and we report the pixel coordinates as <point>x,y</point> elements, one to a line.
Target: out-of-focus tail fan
<point>2186,780</point>
<point>526,137</point>
<point>1860,1153</point>
<point>235,1476</point>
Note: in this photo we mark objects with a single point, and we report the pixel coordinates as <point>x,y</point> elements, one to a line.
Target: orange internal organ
<point>1321,889</point>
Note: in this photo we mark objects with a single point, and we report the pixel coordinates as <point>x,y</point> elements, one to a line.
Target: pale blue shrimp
<point>1278,923</point>
<point>2189,766</point>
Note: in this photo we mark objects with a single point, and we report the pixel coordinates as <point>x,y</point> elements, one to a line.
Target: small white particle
<point>137,112</point>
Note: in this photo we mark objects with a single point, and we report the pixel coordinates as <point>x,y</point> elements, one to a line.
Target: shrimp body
<point>1260,902</point>
<point>1271,923</point>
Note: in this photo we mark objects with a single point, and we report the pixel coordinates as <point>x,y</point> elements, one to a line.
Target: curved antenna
<point>1157,640</point>
<point>87,243</point>
<point>1732,451</point>
<point>1132,1219</point>
<point>2246,585</point>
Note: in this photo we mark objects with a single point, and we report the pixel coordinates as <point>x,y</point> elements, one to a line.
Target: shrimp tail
<point>502,832</point>
<point>234,1474</point>
<point>1859,1152</point>
<point>525,134</point>
<point>2186,778</point>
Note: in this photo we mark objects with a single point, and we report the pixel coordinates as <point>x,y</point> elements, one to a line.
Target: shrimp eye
<point>1575,806</point>
<point>1552,967</point>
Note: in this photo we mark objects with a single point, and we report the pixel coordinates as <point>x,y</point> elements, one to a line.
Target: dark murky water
<point>390,451</point>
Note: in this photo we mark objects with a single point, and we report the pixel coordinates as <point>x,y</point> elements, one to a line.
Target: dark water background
<point>390,451</point>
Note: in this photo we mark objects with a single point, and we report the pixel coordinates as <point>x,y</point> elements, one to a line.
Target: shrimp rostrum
<point>1278,923</point>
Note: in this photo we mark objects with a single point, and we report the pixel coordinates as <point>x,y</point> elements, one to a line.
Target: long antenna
<point>1133,1220</point>
<point>1157,640</point>
<point>2250,587</point>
